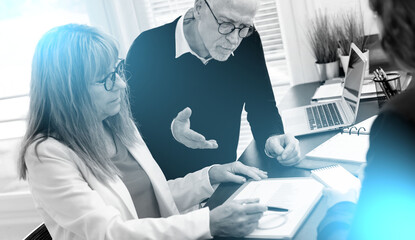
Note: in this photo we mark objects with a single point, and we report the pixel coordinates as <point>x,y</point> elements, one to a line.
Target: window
<point>164,11</point>
<point>22,23</point>
<point>267,23</point>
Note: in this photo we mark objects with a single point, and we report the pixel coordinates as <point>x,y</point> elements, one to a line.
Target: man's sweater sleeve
<point>263,115</point>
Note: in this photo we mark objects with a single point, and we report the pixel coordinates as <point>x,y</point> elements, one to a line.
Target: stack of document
<point>333,90</point>
<point>328,92</point>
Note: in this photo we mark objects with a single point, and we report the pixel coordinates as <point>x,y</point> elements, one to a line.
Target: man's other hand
<point>285,148</point>
<point>180,129</point>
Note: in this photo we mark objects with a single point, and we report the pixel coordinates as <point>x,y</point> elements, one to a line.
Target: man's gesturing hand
<point>180,129</point>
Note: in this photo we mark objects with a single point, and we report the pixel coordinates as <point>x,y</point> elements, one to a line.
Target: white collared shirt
<point>182,46</point>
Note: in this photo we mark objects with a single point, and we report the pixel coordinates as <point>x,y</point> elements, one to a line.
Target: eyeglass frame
<point>110,78</point>
<point>251,29</point>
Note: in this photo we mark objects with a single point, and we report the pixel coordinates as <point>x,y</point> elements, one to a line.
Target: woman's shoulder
<point>47,148</point>
<point>391,125</point>
<point>396,116</point>
<point>392,136</point>
<point>44,142</point>
<point>401,107</point>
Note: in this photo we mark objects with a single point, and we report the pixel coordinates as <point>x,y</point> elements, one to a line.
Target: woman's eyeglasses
<point>109,80</point>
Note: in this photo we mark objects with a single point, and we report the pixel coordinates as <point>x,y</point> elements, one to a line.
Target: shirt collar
<point>182,46</point>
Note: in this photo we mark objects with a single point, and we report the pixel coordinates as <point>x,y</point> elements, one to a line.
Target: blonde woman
<point>89,170</point>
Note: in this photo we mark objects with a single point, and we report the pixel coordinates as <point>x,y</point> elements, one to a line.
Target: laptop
<point>334,114</point>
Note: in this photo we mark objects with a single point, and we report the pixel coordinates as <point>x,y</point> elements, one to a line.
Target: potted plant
<point>350,29</point>
<point>323,43</point>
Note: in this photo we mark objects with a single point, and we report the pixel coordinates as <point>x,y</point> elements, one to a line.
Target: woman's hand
<point>237,218</point>
<point>335,196</point>
<point>232,172</point>
<point>349,194</point>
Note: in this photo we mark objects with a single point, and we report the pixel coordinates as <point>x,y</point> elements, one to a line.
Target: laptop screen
<point>354,78</point>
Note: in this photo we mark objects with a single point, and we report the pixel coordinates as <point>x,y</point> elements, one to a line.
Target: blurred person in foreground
<point>89,170</point>
<point>386,206</point>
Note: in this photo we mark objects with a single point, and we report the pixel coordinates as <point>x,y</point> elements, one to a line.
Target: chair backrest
<point>40,233</point>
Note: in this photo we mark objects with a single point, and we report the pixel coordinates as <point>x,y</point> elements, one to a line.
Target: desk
<point>297,96</point>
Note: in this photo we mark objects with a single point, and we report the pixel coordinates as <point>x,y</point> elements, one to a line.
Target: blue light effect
<point>387,215</point>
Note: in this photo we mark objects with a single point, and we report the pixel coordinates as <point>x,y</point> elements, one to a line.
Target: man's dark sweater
<point>161,86</point>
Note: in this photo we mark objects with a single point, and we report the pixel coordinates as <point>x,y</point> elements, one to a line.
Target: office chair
<point>40,233</point>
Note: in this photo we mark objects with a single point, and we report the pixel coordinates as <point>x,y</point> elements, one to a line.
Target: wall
<point>18,216</point>
<point>295,16</point>
<point>118,18</point>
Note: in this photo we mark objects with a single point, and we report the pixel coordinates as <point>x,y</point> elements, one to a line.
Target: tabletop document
<point>299,195</point>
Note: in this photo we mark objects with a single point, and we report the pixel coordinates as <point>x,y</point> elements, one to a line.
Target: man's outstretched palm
<point>180,129</point>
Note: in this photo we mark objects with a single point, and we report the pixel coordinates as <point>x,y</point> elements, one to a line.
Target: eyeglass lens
<point>110,81</point>
<point>226,28</point>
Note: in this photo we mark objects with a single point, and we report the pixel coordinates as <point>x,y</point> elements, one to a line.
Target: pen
<point>381,83</point>
<point>386,79</point>
<point>277,209</point>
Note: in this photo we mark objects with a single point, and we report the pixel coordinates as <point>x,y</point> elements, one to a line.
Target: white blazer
<point>75,205</point>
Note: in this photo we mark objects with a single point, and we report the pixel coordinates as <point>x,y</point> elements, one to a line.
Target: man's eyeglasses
<point>109,80</point>
<point>226,28</point>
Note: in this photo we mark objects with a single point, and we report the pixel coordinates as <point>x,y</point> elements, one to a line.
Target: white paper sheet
<point>299,195</point>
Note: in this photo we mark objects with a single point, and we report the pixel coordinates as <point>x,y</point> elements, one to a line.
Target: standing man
<point>206,64</point>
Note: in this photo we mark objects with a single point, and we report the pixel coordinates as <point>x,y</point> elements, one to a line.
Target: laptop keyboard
<point>322,116</point>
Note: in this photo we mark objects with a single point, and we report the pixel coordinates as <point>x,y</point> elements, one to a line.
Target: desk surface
<point>297,96</point>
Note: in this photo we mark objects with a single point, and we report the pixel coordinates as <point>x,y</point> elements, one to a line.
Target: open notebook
<point>349,146</point>
<point>336,177</point>
<point>298,195</point>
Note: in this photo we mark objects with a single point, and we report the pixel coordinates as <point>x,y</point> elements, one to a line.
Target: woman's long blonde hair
<point>66,60</point>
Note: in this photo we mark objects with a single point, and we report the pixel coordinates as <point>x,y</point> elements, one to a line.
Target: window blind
<point>16,52</point>
<point>267,24</point>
